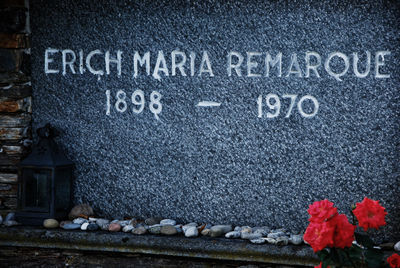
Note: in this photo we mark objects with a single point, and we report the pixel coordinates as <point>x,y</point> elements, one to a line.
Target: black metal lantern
<point>45,180</point>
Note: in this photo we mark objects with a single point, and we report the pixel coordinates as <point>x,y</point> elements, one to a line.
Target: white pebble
<point>168,222</point>
<point>192,232</point>
<point>397,246</point>
<point>84,226</point>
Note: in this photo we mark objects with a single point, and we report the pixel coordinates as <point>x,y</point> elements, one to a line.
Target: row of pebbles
<point>256,235</point>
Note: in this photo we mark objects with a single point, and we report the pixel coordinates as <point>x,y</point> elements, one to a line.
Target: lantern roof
<point>46,152</point>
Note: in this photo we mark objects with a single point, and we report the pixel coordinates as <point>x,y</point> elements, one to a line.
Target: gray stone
<point>10,217</point>
<point>282,241</point>
<point>84,226</point>
<point>127,228</point>
<point>80,221</point>
<point>1,219</point>
<point>229,163</point>
<point>206,232</point>
<point>168,230</point>
<point>81,209</point>
<point>152,221</point>
<point>139,230</point>
<point>219,230</point>
<point>50,223</point>
<point>189,225</point>
<point>296,239</point>
<point>261,230</point>
<point>397,246</point>
<point>233,234</point>
<point>155,229</point>
<point>276,235</point>
<point>101,222</point>
<point>192,232</point>
<point>92,227</point>
<point>238,229</point>
<point>271,241</point>
<point>71,226</point>
<point>104,227</point>
<point>179,228</point>
<point>10,223</point>
<point>258,241</point>
<point>168,222</point>
<point>124,223</point>
<point>250,236</point>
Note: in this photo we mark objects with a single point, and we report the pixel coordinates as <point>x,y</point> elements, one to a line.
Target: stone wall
<point>15,96</point>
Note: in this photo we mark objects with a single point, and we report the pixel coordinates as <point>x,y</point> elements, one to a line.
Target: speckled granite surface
<point>224,164</point>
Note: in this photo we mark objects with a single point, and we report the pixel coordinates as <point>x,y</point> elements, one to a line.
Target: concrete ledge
<point>176,246</point>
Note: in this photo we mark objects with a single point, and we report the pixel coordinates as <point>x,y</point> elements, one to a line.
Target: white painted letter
<point>47,60</point>
<point>328,67</point>
<point>312,67</point>
<point>70,63</point>
<point>270,63</point>
<point>252,64</point>
<point>144,60</point>
<point>205,60</point>
<point>379,63</point>
<point>192,57</point>
<point>295,63</point>
<point>117,61</point>
<point>234,66</point>
<point>90,68</point>
<point>81,69</point>
<point>178,65</point>
<point>164,68</point>
<point>367,67</point>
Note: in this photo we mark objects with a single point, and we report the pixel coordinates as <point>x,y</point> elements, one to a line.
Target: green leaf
<point>324,264</point>
<point>344,257</point>
<point>355,253</point>
<point>364,240</point>
<point>323,254</point>
<point>373,257</point>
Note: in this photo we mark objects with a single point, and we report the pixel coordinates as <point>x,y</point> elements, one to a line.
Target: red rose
<point>344,231</point>
<point>321,211</point>
<point>370,214</point>
<point>394,261</point>
<point>319,235</point>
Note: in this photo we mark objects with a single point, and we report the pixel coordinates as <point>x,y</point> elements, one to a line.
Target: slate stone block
<point>244,159</point>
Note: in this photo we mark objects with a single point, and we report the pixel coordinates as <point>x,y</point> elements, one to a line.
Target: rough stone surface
<point>224,164</point>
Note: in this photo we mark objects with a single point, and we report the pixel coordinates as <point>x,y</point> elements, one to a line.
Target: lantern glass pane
<point>63,189</point>
<point>37,188</point>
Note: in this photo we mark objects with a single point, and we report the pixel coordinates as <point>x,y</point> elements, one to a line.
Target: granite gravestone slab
<point>223,111</point>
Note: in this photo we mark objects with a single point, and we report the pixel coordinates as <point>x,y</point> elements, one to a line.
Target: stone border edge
<point>173,246</point>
